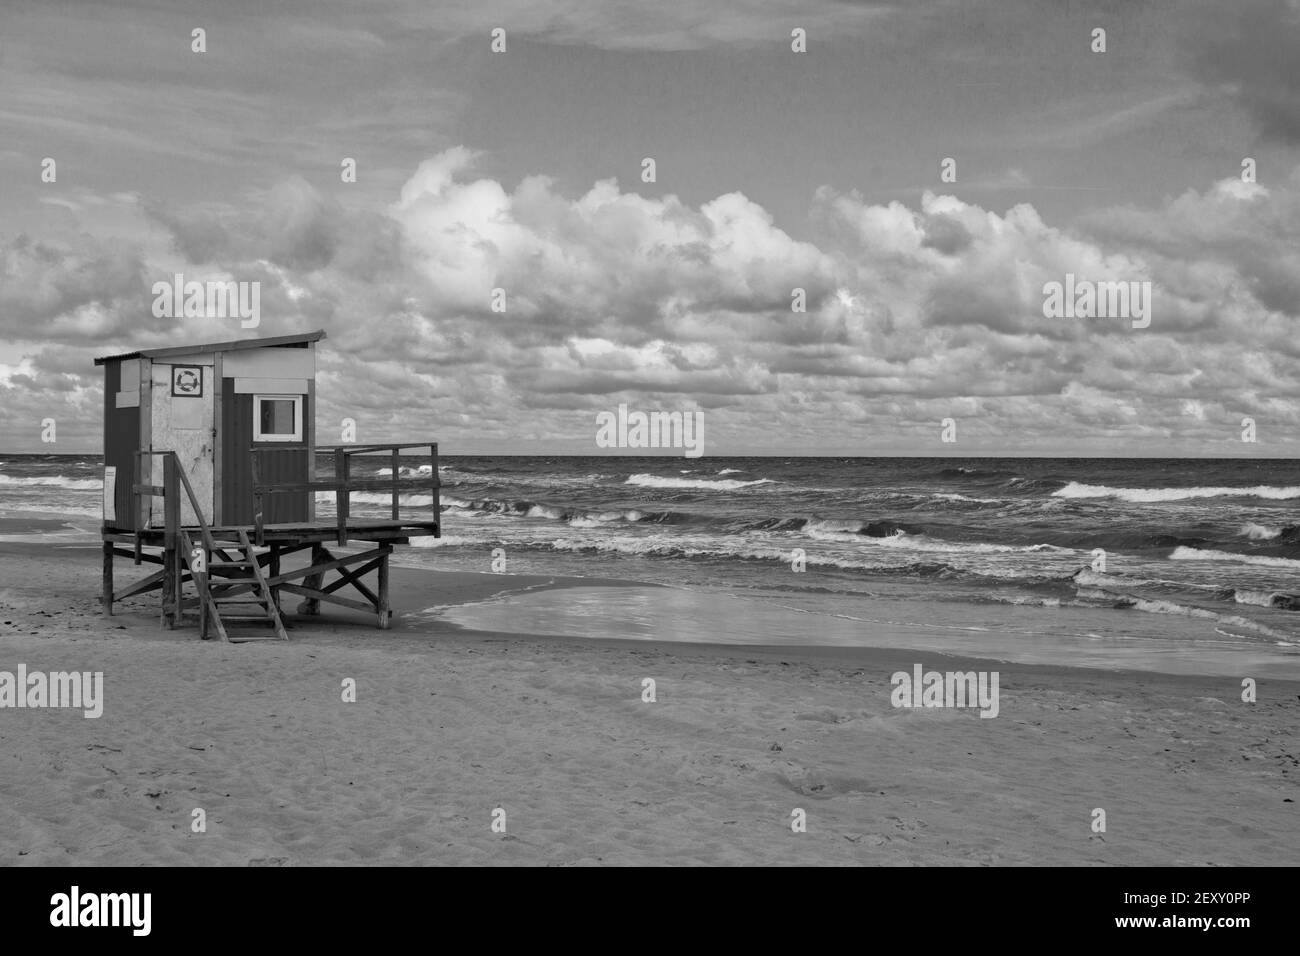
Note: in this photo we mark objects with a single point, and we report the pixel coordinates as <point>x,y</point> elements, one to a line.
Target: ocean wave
<point>952,496</point>
<point>1022,600</point>
<point>1125,540</point>
<point>377,498</point>
<point>832,526</point>
<point>1148,495</point>
<point>63,511</point>
<point>548,511</point>
<point>1097,579</point>
<point>834,531</point>
<point>1260,560</point>
<point>1279,599</point>
<point>701,484</point>
<point>1226,620</point>
<point>420,471</point>
<point>1123,600</point>
<point>602,518</point>
<point>1024,483</point>
<point>848,526</point>
<point>1259,532</point>
<point>576,517</point>
<point>963,472</point>
<point>677,548</point>
<point>446,541</point>
<point>54,481</point>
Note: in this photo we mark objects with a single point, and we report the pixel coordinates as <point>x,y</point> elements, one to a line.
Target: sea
<point>970,555</point>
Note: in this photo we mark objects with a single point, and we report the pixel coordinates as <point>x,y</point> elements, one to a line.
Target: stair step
<point>238,583</point>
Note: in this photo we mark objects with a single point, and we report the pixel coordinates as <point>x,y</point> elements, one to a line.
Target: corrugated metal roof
<point>234,346</point>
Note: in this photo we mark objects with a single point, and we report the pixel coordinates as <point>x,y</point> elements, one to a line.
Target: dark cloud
<point>55,291</point>
<point>945,234</point>
<point>1250,50</point>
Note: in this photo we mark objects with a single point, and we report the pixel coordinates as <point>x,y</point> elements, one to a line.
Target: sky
<point>775,170</point>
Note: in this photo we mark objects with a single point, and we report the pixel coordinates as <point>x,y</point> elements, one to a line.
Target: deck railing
<point>343,484</point>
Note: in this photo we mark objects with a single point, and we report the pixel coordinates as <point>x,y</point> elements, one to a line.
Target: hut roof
<point>237,345</point>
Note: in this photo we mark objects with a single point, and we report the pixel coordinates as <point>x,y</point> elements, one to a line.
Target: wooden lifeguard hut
<point>210,471</point>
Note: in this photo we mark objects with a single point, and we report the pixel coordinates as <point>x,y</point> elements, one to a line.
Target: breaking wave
<point>701,484</point>
<point>54,481</point>
<point>1147,495</point>
<point>1263,561</point>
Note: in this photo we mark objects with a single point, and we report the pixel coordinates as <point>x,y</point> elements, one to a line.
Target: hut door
<point>184,423</point>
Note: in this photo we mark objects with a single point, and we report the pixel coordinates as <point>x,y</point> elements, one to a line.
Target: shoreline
<point>896,615</point>
<point>418,619</point>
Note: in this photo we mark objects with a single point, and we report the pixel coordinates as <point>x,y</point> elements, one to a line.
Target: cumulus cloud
<point>56,290</point>
<point>912,314</point>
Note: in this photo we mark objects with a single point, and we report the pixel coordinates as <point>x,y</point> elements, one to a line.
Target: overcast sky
<point>775,170</point>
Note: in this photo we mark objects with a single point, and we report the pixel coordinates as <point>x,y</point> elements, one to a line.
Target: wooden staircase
<point>231,586</point>
<point>232,589</point>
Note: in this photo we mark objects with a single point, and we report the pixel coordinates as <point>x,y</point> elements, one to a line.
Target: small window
<point>277,418</point>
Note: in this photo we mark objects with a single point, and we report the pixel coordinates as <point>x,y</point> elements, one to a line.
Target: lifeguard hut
<point>210,471</point>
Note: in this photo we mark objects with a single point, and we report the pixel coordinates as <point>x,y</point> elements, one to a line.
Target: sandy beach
<point>450,724</point>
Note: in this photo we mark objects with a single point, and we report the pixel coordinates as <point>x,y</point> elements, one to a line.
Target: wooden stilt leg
<point>318,556</point>
<point>169,586</point>
<point>182,563</point>
<point>107,597</point>
<point>275,570</point>
<point>384,612</point>
<point>201,585</point>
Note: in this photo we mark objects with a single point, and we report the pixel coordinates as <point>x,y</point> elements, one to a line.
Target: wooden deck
<point>362,529</point>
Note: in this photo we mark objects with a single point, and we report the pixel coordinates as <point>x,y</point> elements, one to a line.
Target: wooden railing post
<point>396,469</point>
<point>258,519</point>
<point>171,502</point>
<point>171,532</point>
<point>138,520</point>
<point>106,597</point>
<point>435,483</point>
<point>342,502</point>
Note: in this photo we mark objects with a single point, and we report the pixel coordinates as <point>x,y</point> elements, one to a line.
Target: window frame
<point>277,437</point>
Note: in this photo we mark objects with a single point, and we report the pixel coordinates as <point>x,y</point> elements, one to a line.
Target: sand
<point>449,725</point>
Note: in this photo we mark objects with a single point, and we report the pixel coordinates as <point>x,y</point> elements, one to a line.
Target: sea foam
<point>702,484</point>
<point>1145,495</point>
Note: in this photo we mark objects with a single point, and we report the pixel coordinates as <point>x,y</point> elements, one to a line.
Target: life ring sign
<point>187,381</point>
